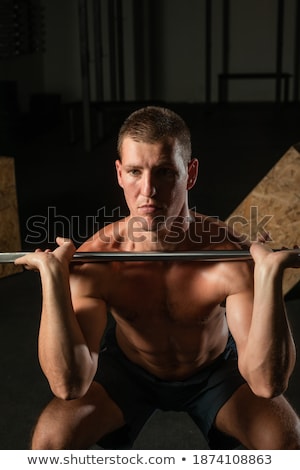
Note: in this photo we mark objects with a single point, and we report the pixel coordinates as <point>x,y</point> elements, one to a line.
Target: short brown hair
<point>154,123</point>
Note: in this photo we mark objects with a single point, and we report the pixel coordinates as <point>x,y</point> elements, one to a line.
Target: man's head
<point>155,168</point>
<point>155,124</point>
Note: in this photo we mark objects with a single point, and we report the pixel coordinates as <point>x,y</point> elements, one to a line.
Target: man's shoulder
<point>214,233</point>
<point>108,238</point>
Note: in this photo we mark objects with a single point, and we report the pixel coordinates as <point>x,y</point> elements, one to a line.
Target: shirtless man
<point>171,347</point>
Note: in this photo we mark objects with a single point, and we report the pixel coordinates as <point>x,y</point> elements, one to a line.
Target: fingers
<point>260,245</point>
<point>284,258</point>
<point>30,261</point>
<point>65,248</point>
<point>61,241</point>
<point>62,255</point>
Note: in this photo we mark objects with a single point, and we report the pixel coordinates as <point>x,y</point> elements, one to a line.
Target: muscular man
<point>208,338</point>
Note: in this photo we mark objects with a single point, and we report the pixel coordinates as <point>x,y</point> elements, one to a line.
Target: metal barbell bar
<point>105,256</point>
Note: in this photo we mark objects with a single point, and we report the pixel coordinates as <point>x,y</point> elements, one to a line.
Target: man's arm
<point>258,321</point>
<point>68,342</point>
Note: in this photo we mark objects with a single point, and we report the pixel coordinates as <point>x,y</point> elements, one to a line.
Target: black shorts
<point>139,394</point>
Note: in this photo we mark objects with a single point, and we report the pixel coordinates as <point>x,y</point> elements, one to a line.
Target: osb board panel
<point>9,220</point>
<point>274,206</point>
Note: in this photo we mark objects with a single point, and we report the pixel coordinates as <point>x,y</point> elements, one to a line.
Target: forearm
<point>63,353</point>
<point>270,351</point>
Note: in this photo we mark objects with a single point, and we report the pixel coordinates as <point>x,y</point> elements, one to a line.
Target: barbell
<point>108,256</point>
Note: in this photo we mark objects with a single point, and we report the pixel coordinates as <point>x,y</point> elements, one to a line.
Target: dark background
<point>62,100</point>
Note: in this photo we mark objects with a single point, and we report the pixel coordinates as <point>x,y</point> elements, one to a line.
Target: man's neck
<point>170,236</point>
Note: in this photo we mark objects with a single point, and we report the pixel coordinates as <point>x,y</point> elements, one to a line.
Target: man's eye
<point>134,172</point>
<point>166,172</point>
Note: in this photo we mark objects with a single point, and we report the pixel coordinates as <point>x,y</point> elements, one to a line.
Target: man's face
<point>155,181</point>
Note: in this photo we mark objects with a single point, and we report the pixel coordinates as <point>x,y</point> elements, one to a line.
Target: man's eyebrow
<point>163,162</point>
<point>132,165</point>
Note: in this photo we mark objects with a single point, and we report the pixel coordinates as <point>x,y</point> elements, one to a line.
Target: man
<point>171,347</point>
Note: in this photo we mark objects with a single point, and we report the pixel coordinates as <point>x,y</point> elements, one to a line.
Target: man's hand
<point>38,259</point>
<point>284,258</point>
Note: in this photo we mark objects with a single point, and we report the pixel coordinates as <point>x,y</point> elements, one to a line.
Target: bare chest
<point>160,294</point>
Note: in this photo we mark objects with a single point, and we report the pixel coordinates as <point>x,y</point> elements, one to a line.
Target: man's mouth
<point>149,208</point>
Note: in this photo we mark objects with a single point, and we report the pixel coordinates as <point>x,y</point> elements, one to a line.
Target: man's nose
<point>148,185</point>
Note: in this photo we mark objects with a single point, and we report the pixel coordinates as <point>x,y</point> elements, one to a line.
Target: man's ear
<point>118,164</point>
<point>192,173</point>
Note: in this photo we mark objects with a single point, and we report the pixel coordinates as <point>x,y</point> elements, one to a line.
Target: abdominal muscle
<point>173,351</point>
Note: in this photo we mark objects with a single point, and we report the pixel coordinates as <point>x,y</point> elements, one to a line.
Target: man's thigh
<point>77,424</point>
<point>259,423</point>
